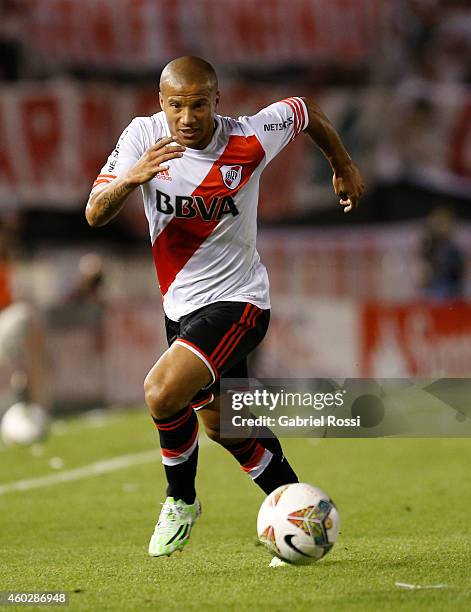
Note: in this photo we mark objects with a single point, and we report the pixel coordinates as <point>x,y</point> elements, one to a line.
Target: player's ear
<point>161,101</point>
<point>216,98</point>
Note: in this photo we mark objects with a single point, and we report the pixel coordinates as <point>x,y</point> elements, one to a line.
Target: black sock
<point>278,471</point>
<point>263,460</point>
<point>179,447</point>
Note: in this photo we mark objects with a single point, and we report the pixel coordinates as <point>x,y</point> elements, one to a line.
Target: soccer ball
<point>23,423</point>
<point>298,523</point>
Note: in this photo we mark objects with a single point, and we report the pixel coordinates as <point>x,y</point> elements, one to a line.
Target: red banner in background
<point>55,136</point>
<point>143,34</point>
<point>421,339</point>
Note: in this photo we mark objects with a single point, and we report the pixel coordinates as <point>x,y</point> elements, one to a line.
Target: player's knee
<point>160,399</point>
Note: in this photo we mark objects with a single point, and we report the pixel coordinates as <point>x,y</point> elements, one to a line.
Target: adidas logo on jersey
<point>163,176</point>
<point>188,207</point>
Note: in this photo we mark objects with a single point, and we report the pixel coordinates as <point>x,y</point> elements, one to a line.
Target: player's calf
<point>214,433</point>
<point>263,460</point>
<point>259,454</point>
<point>169,387</point>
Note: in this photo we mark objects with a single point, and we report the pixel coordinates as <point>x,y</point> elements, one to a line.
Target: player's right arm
<point>109,197</point>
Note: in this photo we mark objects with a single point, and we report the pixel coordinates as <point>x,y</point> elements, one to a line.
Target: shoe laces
<point>171,513</point>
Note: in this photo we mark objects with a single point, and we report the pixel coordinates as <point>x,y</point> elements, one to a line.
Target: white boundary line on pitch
<point>92,469</point>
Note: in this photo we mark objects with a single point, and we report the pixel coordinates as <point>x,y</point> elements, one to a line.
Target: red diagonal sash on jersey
<point>181,238</point>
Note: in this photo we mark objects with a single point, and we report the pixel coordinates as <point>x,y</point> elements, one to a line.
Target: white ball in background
<point>24,423</point>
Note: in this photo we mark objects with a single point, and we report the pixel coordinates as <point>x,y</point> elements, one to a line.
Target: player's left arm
<point>347,181</point>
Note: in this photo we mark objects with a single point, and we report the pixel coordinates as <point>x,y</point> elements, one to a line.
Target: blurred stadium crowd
<point>353,295</point>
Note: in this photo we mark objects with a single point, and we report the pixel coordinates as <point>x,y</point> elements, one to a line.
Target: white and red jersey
<point>202,211</point>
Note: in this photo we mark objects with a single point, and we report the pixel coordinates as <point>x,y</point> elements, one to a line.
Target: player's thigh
<point>176,377</point>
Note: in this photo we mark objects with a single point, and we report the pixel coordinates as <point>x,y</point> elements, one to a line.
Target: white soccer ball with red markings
<point>298,523</point>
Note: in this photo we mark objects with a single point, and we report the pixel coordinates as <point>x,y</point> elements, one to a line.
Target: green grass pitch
<point>404,504</point>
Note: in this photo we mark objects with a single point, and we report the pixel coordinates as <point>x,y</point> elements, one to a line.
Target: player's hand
<point>349,186</point>
<point>153,161</point>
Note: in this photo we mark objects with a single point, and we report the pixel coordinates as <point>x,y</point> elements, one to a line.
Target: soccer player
<point>199,174</point>
<point>22,342</point>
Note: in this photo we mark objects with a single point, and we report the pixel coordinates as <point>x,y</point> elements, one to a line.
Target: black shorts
<point>221,335</point>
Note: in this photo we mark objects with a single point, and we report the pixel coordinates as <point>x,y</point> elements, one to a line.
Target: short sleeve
<point>127,151</point>
<point>278,124</point>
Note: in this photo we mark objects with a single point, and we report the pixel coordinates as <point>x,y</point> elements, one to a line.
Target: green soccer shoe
<point>173,528</point>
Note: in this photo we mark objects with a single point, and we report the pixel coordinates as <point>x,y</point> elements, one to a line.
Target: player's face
<point>190,113</point>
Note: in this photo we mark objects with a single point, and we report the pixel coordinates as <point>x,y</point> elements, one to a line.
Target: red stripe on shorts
<point>231,345</point>
<point>232,330</point>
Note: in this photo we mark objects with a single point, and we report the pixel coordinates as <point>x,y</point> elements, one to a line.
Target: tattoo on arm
<point>107,203</point>
<point>111,202</point>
